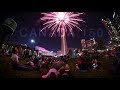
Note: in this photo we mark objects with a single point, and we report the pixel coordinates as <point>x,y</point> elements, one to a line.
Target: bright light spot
<point>80,54</point>
<point>62,17</point>
<point>32,41</point>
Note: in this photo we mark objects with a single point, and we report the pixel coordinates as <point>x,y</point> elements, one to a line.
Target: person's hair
<point>52,75</point>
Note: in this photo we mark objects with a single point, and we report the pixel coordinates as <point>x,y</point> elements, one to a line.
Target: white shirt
<point>50,71</point>
<point>15,58</point>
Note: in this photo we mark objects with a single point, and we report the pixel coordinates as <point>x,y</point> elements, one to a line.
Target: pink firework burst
<point>61,21</point>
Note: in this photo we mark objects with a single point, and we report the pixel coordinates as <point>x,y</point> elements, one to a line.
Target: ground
<point>6,70</point>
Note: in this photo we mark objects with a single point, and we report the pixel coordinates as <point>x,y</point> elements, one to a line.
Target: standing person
<point>35,61</point>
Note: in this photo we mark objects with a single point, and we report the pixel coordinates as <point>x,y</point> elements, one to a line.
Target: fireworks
<point>61,22</point>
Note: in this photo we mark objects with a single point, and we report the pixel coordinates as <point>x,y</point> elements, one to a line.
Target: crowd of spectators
<point>58,66</point>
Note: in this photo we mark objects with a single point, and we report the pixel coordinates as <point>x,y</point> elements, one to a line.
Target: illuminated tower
<point>64,48</point>
<point>62,22</point>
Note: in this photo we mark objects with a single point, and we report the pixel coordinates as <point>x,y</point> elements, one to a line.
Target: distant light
<point>113,14</point>
<point>80,54</point>
<point>32,41</point>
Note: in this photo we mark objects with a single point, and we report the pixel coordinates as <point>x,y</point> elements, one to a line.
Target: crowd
<point>58,67</point>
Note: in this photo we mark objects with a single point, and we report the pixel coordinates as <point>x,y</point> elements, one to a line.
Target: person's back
<point>15,58</point>
<point>35,61</point>
<point>15,61</point>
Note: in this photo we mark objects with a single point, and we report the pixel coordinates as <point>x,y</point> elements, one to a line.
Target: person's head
<point>62,67</point>
<point>67,67</point>
<point>52,75</point>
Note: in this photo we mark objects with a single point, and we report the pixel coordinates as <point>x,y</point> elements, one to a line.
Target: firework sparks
<point>61,22</point>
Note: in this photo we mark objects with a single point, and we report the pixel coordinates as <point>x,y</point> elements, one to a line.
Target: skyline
<point>29,25</point>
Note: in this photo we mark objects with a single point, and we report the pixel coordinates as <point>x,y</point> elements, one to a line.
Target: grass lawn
<point>6,70</point>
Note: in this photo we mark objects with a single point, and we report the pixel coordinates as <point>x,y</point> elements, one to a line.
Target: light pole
<point>33,42</point>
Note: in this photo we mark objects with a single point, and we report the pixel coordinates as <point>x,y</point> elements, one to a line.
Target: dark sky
<point>29,26</point>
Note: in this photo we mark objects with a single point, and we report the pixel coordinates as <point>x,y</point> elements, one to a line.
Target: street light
<point>32,41</point>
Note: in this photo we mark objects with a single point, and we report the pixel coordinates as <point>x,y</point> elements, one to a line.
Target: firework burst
<point>61,22</point>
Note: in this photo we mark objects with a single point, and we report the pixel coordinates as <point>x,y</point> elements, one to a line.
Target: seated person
<point>15,61</point>
<point>65,72</point>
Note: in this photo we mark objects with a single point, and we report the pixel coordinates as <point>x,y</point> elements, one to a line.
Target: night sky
<point>29,26</point>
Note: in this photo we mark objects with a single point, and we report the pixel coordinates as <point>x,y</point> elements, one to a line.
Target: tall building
<point>64,48</point>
